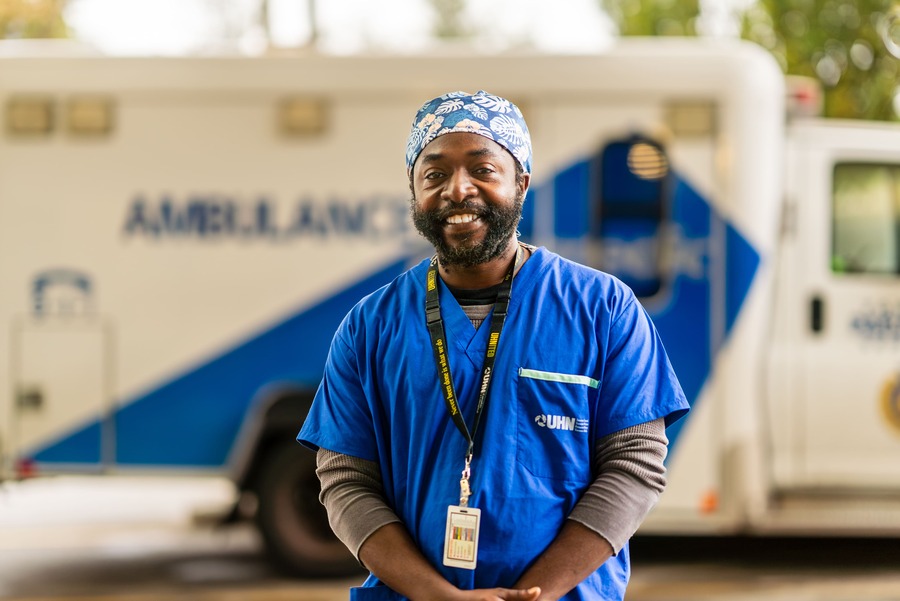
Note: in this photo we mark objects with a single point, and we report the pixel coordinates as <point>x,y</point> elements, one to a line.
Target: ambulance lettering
<point>218,216</point>
<point>637,258</point>
<point>880,322</point>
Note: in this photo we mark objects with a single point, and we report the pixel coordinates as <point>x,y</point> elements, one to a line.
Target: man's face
<point>466,200</point>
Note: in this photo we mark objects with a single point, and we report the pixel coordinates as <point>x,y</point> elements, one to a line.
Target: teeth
<point>465,218</point>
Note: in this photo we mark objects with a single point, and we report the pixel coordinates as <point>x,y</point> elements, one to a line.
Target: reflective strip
<point>555,377</point>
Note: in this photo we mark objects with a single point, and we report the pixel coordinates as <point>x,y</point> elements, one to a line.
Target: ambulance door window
<point>627,227</point>
<point>866,203</point>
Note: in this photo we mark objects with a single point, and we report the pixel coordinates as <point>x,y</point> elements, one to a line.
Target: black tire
<point>292,521</point>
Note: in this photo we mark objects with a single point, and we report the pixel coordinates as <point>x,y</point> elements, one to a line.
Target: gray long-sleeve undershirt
<point>629,475</point>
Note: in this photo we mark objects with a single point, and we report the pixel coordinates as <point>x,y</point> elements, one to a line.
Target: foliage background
<point>32,19</point>
<point>843,44</point>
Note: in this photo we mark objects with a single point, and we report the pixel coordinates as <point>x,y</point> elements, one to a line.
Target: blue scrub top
<point>380,400</point>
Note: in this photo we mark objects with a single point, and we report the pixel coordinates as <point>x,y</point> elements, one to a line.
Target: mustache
<point>468,206</point>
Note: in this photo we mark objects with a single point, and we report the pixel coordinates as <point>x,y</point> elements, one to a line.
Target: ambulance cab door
<point>846,426</point>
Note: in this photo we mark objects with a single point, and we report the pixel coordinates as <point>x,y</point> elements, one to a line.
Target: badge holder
<point>463,527</point>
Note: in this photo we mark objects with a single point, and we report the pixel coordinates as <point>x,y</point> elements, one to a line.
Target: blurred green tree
<point>32,19</point>
<point>450,24</point>
<point>841,43</point>
<point>654,17</point>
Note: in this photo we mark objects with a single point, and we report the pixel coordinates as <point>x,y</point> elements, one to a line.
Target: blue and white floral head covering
<point>481,113</point>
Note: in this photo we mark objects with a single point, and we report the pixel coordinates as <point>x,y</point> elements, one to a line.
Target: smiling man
<point>490,425</point>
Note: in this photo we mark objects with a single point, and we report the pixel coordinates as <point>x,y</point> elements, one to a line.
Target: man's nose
<point>459,186</point>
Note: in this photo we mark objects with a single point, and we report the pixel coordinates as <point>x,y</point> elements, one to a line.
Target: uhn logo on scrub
<point>561,422</point>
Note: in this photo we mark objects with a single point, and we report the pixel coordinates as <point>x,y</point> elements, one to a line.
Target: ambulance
<point>180,237</point>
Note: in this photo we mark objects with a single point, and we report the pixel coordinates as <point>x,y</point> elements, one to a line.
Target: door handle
<point>29,398</point>
<point>817,314</point>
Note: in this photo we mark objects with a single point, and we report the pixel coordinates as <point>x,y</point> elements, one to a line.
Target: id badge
<point>461,538</point>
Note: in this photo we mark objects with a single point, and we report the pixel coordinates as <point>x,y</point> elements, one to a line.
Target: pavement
<point>139,539</point>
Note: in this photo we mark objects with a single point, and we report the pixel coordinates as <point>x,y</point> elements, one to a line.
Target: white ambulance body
<point>179,238</point>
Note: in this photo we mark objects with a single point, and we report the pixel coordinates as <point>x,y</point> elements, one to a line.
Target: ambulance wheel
<point>292,521</point>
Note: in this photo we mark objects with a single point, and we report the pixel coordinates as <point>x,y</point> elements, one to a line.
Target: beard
<point>500,223</point>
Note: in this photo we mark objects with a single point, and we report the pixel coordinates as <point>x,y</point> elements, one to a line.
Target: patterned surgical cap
<point>481,113</point>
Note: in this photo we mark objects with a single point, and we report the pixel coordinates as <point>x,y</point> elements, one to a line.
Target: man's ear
<point>523,183</point>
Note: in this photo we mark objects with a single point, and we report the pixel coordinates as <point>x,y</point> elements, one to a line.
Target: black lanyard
<point>442,360</point>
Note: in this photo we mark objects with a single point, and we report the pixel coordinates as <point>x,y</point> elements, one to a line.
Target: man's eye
<point>433,175</point>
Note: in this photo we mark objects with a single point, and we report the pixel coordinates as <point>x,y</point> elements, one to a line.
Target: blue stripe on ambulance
<point>193,419</point>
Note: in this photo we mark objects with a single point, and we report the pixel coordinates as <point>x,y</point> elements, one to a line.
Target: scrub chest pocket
<point>554,427</point>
